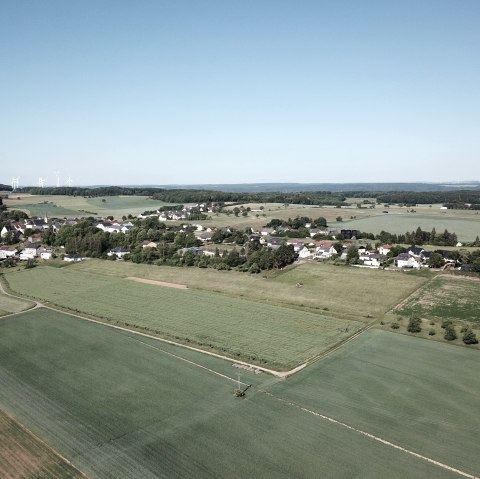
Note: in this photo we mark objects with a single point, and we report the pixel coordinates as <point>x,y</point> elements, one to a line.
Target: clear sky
<point>231,91</point>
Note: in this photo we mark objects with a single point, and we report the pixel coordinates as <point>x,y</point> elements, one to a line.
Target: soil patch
<point>158,283</point>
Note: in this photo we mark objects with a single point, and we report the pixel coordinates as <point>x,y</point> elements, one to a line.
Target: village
<point>36,238</point>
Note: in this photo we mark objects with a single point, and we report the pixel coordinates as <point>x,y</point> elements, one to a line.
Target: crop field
<point>118,405</point>
<point>22,455</point>
<point>420,394</point>
<point>466,227</point>
<point>268,334</point>
<point>446,297</point>
<point>60,206</point>
<point>349,293</point>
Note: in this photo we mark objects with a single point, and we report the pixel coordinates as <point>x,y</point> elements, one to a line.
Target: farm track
<point>406,299</point>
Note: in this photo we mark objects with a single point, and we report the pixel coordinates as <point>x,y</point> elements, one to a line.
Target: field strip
<point>374,437</point>
<point>37,438</point>
<point>190,362</point>
<point>405,300</point>
<point>158,283</point>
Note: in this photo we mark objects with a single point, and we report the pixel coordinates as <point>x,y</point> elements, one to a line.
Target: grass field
<point>349,293</point>
<point>22,455</point>
<point>446,297</point>
<point>10,305</point>
<point>60,206</point>
<point>120,407</point>
<point>267,334</point>
<point>467,227</point>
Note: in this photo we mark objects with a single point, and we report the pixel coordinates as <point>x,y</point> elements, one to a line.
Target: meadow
<point>446,297</point>
<point>271,335</point>
<point>9,305</point>
<point>117,405</point>
<point>61,206</point>
<point>466,226</point>
<point>22,455</point>
<point>348,293</point>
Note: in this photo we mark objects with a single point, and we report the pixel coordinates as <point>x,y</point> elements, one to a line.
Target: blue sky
<point>160,92</point>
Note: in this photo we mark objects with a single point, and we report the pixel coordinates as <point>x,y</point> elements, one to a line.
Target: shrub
<point>432,332</point>
<point>469,337</point>
<point>414,325</point>
<point>450,333</point>
<point>432,323</point>
<point>395,325</point>
<point>446,323</point>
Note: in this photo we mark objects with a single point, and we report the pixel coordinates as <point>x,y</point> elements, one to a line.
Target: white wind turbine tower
<point>57,174</point>
<point>41,182</point>
<point>15,182</point>
<point>69,181</point>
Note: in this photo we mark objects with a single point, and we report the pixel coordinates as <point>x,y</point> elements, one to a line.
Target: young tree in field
<point>469,337</point>
<point>414,325</point>
<point>450,333</point>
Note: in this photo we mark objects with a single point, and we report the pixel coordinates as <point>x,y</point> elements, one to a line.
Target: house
<point>275,242</point>
<point>405,260</point>
<point>194,249</point>
<point>119,252</point>
<point>371,259</point>
<point>304,253</point>
<point>149,244</point>
<point>204,236</point>
<point>349,234</point>
<point>45,253</point>
<point>73,258</point>
<point>267,231</point>
<point>385,249</point>
<point>29,251</point>
<point>8,252</point>
<point>325,251</point>
<point>297,244</point>
<point>415,251</point>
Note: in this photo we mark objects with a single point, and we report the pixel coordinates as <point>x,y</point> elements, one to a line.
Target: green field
<point>9,305</point>
<point>117,405</point>
<point>466,226</point>
<point>61,206</point>
<point>349,293</point>
<point>267,334</point>
<point>446,297</point>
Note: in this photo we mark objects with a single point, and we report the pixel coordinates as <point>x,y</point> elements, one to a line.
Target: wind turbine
<point>69,181</point>
<point>15,182</point>
<point>57,174</point>
<point>41,182</point>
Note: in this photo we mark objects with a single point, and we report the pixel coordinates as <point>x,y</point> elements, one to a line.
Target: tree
<point>414,325</point>
<point>469,337</point>
<point>236,211</point>
<point>450,333</point>
<point>352,255</point>
<point>339,219</point>
<point>435,260</point>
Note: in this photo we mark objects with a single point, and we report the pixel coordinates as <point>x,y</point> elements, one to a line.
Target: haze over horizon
<point>252,92</point>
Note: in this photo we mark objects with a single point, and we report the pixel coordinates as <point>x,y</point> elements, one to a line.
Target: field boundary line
<point>55,452</point>
<point>374,437</point>
<point>191,362</point>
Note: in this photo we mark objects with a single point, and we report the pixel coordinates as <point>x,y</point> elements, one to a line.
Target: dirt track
<point>158,283</point>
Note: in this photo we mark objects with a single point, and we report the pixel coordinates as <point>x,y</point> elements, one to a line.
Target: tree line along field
<point>274,336</point>
<point>120,406</point>
<point>347,293</point>
<point>22,455</point>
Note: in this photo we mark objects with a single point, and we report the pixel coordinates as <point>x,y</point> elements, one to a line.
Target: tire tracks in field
<point>374,437</point>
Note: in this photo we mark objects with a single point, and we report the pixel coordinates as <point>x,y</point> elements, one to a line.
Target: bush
<point>450,333</point>
<point>469,337</point>
<point>446,323</point>
<point>395,325</point>
<point>414,325</point>
<point>432,323</point>
<point>432,332</point>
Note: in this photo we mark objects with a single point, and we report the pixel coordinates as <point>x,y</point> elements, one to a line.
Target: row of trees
<point>418,237</point>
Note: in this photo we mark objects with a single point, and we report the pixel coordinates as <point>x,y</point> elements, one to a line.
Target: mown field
<point>349,293</point>
<point>22,455</point>
<point>10,305</point>
<point>268,334</point>
<point>60,206</point>
<point>446,297</point>
<point>120,406</point>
